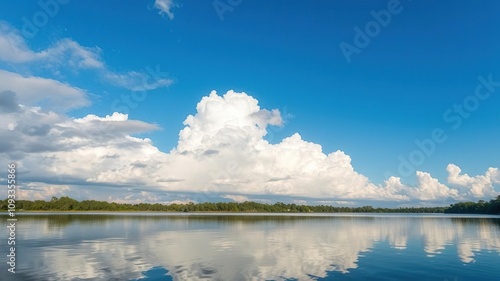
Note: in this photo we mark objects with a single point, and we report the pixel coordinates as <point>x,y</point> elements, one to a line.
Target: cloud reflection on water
<point>236,248</point>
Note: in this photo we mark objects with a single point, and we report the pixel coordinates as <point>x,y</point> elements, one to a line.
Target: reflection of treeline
<point>64,219</point>
<point>69,204</point>
<point>183,221</point>
<point>481,207</point>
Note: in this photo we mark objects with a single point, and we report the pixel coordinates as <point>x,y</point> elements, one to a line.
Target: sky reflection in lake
<point>229,247</point>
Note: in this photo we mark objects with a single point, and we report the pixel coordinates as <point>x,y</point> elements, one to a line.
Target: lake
<point>159,246</point>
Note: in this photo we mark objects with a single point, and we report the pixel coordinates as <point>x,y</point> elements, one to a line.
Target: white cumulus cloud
<point>477,186</point>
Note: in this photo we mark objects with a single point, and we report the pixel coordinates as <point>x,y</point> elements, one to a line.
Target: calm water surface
<point>153,246</point>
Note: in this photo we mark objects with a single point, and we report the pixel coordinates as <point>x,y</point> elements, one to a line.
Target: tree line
<point>481,207</point>
<point>69,204</point>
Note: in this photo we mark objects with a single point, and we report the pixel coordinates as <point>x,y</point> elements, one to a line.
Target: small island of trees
<point>68,204</point>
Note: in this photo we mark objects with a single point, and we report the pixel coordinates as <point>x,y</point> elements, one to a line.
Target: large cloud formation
<point>221,154</point>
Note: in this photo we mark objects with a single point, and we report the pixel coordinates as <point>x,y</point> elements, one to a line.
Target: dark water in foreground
<point>146,246</point>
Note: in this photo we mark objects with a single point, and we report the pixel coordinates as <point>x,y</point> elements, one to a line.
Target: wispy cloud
<point>236,198</point>
<point>69,54</point>
<point>13,49</point>
<point>31,90</point>
<point>136,81</point>
<point>165,7</point>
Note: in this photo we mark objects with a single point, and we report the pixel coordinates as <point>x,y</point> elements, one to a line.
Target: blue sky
<point>372,106</point>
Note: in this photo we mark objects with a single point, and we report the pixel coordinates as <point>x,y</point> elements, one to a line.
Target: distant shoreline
<point>66,204</point>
